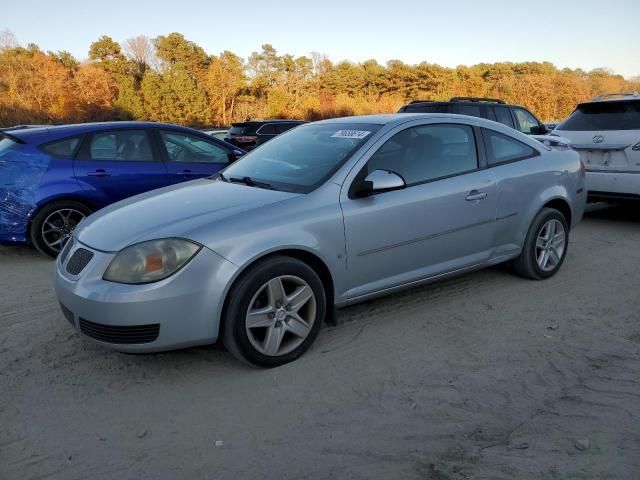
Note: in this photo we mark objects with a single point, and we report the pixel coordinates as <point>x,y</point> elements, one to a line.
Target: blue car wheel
<point>54,224</point>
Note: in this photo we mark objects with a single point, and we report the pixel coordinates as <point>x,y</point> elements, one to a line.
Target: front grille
<point>120,334</point>
<point>68,314</point>
<point>80,258</point>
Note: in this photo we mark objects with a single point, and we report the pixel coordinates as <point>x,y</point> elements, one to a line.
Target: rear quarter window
<point>503,148</point>
<point>62,148</point>
<point>5,144</point>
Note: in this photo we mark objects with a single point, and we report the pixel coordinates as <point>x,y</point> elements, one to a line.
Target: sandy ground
<point>483,376</point>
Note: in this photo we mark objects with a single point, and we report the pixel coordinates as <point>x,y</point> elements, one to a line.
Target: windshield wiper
<point>251,182</point>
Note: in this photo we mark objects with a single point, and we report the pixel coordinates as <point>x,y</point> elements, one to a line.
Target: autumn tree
<point>172,79</point>
<point>225,81</point>
<point>141,52</point>
<point>95,92</point>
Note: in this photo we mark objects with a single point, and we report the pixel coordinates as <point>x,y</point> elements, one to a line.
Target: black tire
<point>234,334</point>
<point>36,231</point>
<point>526,264</point>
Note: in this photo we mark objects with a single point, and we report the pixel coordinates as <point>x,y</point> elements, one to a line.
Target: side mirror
<point>235,155</point>
<point>379,181</point>
<point>539,130</point>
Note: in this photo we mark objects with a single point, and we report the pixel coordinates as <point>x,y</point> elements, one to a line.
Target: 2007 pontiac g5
<point>328,214</point>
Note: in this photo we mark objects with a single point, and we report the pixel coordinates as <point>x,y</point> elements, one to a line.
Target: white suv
<point>606,133</point>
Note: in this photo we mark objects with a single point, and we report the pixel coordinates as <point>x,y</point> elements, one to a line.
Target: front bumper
<point>180,311</point>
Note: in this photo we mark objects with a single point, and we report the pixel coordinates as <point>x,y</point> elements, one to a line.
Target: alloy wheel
<point>58,227</point>
<point>281,315</point>
<point>550,245</point>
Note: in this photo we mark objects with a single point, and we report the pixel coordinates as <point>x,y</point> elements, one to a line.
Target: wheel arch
<point>47,201</point>
<point>305,256</point>
<point>562,205</point>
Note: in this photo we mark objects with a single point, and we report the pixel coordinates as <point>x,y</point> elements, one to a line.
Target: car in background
<point>218,133</point>
<point>606,133</point>
<point>329,214</point>
<point>249,135</point>
<point>514,116</point>
<point>52,177</point>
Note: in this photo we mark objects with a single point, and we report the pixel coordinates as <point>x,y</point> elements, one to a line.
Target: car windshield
<point>304,157</point>
<point>598,116</point>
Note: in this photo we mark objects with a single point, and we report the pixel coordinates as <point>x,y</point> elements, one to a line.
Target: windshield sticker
<point>359,134</point>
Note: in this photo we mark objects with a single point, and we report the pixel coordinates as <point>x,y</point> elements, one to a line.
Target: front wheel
<point>54,224</point>
<point>274,312</point>
<point>545,247</point>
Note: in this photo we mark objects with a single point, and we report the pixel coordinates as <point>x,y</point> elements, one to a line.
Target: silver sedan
<point>329,214</point>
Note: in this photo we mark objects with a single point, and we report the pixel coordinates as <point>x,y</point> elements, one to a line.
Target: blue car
<point>53,177</point>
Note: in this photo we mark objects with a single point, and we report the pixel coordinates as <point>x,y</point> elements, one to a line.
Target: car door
<point>190,156</point>
<point>116,164</point>
<point>441,222</point>
<point>519,180</point>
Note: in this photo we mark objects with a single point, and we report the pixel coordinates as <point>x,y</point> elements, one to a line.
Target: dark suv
<point>513,116</point>
<point>249,135</point>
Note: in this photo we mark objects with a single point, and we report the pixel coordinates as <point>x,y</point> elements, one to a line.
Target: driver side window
<point>527,122</point>
<point>183,147</point>
<point>427,152</point>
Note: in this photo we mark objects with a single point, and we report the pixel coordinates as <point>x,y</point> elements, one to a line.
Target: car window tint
<point>503,116</point>
<point>599,116</point>
<point>502,148</point>
<point>423,153</point>
<point>527,122</point>
<point>268,129</point>
<point>487,112</point>
<point>183,147</point>
<point>472,110</point>
<point>283,127</point>
<point>124,145</point>
<point>421,108</point>
<point>62,148</point>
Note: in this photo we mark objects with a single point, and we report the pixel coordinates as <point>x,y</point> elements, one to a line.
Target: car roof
<point>614,97</point>
<point>391,120</point>
<point>54,132</point>
<point>259,122</point>
<point>394,118</point>
<point>459,102</point>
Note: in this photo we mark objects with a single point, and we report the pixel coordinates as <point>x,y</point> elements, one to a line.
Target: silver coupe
<point>328,214</point>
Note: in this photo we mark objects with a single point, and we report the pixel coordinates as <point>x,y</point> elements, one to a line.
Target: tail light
<point>636,147</point>
<point>246,139</point>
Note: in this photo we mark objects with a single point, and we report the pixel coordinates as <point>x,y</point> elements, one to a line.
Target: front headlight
<point>150,261</point>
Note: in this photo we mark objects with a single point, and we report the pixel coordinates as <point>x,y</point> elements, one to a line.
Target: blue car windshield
<point>301,159</point>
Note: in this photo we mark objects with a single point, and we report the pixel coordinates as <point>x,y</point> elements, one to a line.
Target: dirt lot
<point>483,376</point>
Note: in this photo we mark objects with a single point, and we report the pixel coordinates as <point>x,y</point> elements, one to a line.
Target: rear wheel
<point>274,312</point>
<point>54,224</point>
<point>545,247</point>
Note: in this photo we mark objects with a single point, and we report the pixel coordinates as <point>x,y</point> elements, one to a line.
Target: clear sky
<point>569,33</point>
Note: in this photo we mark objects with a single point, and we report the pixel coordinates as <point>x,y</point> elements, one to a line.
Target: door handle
<point>186,173</point>
<point>476,195</point>
<point>99,173</point>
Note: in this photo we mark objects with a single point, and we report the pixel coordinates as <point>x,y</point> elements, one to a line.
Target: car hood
<point>178,211</point>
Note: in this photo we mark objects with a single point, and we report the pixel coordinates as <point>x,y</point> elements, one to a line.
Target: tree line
<point>172,79</point>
